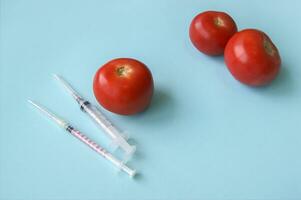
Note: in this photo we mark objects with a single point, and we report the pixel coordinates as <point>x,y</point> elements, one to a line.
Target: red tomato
<point>210,31</point>
<point>252,58</point>
<point>123,86</point>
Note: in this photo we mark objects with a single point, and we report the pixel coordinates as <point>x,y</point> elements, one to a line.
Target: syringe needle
<point>100,150</point>
<point>46,112</point>
<point>68,87</point>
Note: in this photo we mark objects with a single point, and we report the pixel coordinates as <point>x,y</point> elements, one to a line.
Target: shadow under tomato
<point>157,117</point>
<point>162,108</point>
<point>219,60</point>
<point>282,87</point>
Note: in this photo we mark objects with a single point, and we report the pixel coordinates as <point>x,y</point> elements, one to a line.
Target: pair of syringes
<point>118,140</point>
<point>63,124</point>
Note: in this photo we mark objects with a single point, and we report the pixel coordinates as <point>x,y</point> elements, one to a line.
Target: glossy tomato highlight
<point>123,86</point>
<point>210,31</point>
<point>252,58</point>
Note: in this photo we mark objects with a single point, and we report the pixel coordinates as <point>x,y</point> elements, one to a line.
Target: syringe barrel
<point>119,164</point>
<point>82,137</point>
<point>108,127</point>
<point>98,117</point>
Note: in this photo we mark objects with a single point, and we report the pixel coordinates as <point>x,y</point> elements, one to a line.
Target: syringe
<point>63,124</point>
<point>95,114</point>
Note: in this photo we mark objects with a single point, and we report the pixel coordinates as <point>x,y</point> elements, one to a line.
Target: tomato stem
<point>122,71</point>
<point>218,21</point>
<point>268,47</point>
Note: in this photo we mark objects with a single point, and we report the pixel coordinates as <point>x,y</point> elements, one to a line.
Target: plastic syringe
<point>96,115</point>
<point>65,125</point>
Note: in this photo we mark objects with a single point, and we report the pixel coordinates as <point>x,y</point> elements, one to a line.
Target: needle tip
<point>59,79</point>
<point>30,101</point>
<point>56,76</point>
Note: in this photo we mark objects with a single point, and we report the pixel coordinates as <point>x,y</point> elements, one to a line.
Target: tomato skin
<point>210,31</point>
<point>123,86</point>
<point>252,58</point>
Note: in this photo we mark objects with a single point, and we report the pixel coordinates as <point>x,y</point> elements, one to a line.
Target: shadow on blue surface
<point>161,100</point>
<point>161,109</point>
<point>160,112</point>
<point>281,87</point>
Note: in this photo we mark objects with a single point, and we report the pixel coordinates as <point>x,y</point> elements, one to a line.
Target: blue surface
<point>205,135</point>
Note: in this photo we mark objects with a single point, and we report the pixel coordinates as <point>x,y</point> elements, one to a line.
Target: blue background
<point>205,134</point>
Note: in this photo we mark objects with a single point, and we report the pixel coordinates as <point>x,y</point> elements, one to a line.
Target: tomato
<point>210,31</point>
<point>123,86</point>
<point>252,58</point>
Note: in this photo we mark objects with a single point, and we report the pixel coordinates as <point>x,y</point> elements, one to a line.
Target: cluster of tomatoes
<point>250,54</point>
<point>125,86</point>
